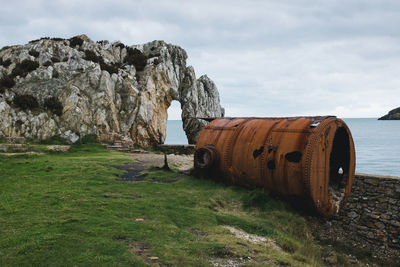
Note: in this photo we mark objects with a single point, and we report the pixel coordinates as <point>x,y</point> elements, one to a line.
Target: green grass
<point>72,209</point>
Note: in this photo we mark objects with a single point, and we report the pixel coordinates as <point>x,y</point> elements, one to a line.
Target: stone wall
<point>370,218</point>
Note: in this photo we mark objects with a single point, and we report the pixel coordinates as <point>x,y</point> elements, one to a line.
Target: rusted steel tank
<point>311,158</point>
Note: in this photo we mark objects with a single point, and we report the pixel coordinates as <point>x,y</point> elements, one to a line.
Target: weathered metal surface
<point>312,158</point>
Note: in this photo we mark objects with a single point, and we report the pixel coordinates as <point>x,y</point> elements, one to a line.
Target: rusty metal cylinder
<point>310,158</point>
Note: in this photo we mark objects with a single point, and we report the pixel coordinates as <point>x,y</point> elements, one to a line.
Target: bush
<point>47,63</point>
<point>6,63</point>
<point>7,82</point>
<point>137,58</point>
<point>54,105</point>
<point>111,68</point>
<point>120,45</point>
<point>55,59</point>
<point>34,41</point>
<point>89,139</point>
<point>75,41</point>
<point>26,102</point>
<point>37,40</point>
<point>55,140</point>
<point>34,53</point>
<point>55,73</point>
<point>90,55</point>
<point>57,39</point>
<point>23,68</point>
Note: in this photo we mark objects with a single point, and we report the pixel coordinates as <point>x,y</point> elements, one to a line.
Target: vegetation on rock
<point>37,40</point>
<point>47,63</point>
<point>55,59</point>
<point>120,45</point>
<point>34,53</point>
<point>23,68</point>
<point>136,57</point>
<point>75,41</point>
<point>55,140</point>
<point>5,63</point>
<point>87,139</point>
<point>54,105</point>
<point>26,102</point>
<point>6,82</point>
<point>57,39</point>
<point>111,68</point>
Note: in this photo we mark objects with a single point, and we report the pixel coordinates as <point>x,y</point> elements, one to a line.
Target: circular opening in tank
<point>339,165</point>
<point>202,158</point>
<point>205,157</point>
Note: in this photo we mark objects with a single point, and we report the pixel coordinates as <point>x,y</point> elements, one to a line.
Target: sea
<point>377,143</point>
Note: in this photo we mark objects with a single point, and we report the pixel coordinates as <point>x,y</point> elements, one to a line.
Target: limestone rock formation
<point>72,87</point>
<point>394,114</point>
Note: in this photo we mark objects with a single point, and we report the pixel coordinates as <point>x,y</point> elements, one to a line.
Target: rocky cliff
<point>394,114</point>
<point>72,87</point>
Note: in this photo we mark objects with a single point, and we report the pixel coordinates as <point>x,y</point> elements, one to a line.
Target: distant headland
<point>394,114</point>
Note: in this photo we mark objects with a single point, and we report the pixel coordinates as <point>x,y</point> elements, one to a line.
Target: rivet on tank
<point>309,158</point>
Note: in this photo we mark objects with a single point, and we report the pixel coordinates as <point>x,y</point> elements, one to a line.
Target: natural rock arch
<point>102,87</point>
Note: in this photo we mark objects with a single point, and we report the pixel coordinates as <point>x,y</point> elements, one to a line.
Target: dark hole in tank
<point>271,164</point>
<point>294,156</point>
<point>339,165</point>
<point>258,152</point>
<point>201,158</point>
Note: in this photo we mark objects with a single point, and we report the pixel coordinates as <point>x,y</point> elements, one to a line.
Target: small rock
<point>371,181</point>
<point>58,148</point>
<point>370,235</point>
<point>374,216</point>
<point>331,259</point>
<point>352,214</point>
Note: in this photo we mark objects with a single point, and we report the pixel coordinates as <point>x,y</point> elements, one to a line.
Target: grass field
<point>73,209</point>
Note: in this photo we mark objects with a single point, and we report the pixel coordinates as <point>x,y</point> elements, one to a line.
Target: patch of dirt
<point>144,161</point>
<point>133,171</point>
<point>255,239</point>
<point>21,153</point>
<point>230,262</point>
<point>140,249</point>
<point>181,162</point>
<point>144,251</point>
<point>197,232</point>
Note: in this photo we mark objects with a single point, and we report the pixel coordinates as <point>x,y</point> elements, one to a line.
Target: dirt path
<point>145,160</point>
<point>149,159</point>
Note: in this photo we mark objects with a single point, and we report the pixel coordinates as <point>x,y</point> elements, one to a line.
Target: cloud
<point>268,58</point>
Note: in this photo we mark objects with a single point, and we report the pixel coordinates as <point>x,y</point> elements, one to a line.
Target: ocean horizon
<point>377,143</point>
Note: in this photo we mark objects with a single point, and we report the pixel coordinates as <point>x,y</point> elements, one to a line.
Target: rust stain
<point>312,158</point>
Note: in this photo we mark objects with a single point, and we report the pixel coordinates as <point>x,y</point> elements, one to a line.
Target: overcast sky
<point>267,58</point>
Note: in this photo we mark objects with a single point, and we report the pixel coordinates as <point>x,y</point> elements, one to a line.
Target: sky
<point>267,58</point>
